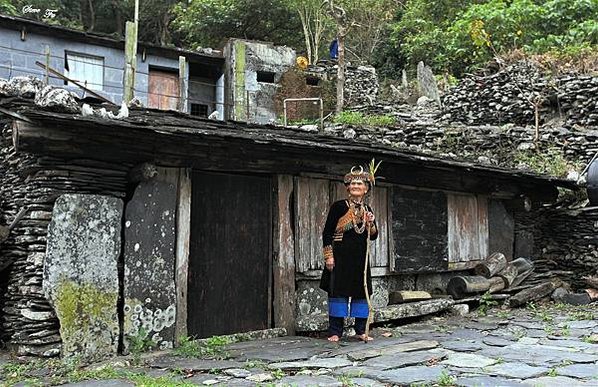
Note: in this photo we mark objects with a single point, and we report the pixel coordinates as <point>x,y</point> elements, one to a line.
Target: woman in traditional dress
<point>345,245</point>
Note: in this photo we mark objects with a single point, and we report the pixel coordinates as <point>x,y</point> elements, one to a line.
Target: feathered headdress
<point>359,174</point>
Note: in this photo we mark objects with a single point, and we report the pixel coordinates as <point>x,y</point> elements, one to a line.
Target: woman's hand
<point>369,217</point>
<point>330,264</point>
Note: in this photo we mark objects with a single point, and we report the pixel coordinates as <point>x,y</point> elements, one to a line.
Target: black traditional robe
<point>349,250</point>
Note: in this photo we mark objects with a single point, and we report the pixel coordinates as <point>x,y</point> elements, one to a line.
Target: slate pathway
<point>493,350</point>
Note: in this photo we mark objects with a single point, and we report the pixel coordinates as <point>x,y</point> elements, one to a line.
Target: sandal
<point>333,338</point>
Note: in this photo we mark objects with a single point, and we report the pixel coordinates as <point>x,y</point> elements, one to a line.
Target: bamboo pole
<point>365,286</point>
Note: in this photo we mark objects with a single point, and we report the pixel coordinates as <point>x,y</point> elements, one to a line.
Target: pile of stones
<point>521,92</point>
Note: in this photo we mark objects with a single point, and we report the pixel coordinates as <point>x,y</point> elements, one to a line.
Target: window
<point>198,109</point>
<point>312,81</point>
<point>85,69</point>
<point>265,76</point>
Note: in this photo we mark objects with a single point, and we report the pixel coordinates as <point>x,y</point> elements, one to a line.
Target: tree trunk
<point>496,284</point>
<point>306,35</point>
<point>92,16</point>
<point>491,265</point>
<point>340,77</point>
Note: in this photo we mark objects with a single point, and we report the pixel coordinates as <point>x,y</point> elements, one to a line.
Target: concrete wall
<point>249,99</point>
<point>18,57</point>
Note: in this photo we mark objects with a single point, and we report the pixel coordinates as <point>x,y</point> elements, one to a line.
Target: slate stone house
<point>164,224</point>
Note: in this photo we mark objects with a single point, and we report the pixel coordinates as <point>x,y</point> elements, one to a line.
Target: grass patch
<point>550,162</point>
<point>445,380</point>
<point>357,118</point>
<point>213,347</point>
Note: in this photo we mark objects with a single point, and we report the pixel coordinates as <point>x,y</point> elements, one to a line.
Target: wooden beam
<point>183,232</point>
<point>182,84</point>
<point>130,60</point>
<point>284,256</point>
<point>76,83</point>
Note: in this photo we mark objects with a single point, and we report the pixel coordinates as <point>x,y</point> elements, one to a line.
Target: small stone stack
<point>512,94</point>
<point>361,83</point>
<point>578,96</point>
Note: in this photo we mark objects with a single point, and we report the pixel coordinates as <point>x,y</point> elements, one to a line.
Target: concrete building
<point>97,61</point>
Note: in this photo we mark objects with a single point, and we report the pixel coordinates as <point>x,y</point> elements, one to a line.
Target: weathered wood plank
<point>467,227</point>
<point>183,222</point>
<point>284,256</point>
<point>313,203</point>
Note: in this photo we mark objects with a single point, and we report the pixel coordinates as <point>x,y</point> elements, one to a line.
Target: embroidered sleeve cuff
<point>328,253</point>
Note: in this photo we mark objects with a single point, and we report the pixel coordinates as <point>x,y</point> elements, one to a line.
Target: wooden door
<point>163,91</point>
<point>229,288</point>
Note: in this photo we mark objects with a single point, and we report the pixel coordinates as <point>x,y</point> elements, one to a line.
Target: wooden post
<point>284,257</point>
<point>182,84</point>
<point>47,77</point>
<point>130,60</point>
<point>183,237</point>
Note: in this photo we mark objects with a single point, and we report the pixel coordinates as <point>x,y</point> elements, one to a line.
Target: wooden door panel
<point>163,90</point>
<point>230,254</point>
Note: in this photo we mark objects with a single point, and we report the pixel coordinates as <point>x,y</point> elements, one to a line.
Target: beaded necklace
<point>357,214</point>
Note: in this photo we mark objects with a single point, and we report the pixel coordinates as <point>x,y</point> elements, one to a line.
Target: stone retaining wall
<point>29,323</point>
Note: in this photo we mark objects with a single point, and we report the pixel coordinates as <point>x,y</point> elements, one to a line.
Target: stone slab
<point>387,362</point>
<point>149,260</point>
<point>516,370</point>
<point>409,375</point>
<point>331,362</point>
<point>468,360</point>
<point>307,380</point>
<point>582,371</point>
<point>548,381</point>
<point>497,341</point>
<point>487,381</point>
<point>81,274</point>
<point>462,345</point>
<point>173,362</point>
<point>365,382</point>
<point>394,349</point>
<point>280,349</point>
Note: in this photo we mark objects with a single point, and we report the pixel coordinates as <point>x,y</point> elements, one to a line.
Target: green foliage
<point>357,118</point>
<point>213,347</point>
<point>208,23</point>
<point>458,36</point>
<point>486,302</point>
<point>550,162</point>
<point>445,380</point>
<point>553,372</point>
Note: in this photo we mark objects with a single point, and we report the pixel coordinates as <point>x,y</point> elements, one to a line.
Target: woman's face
<point>357,189</point>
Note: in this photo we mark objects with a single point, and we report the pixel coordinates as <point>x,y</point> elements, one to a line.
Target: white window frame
<point>87,70</point>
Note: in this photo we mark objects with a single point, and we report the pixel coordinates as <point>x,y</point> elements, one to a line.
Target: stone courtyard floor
<point>555,345</point>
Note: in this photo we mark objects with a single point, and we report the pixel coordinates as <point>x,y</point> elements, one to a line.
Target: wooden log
<point>491,265</point>
<point>402,296</point>
<point>496,284</point>
<point>460,286</point>
<point>522,265</point>
<point>508,274</point>
<point>521,277</point>
<point>534,293</point>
